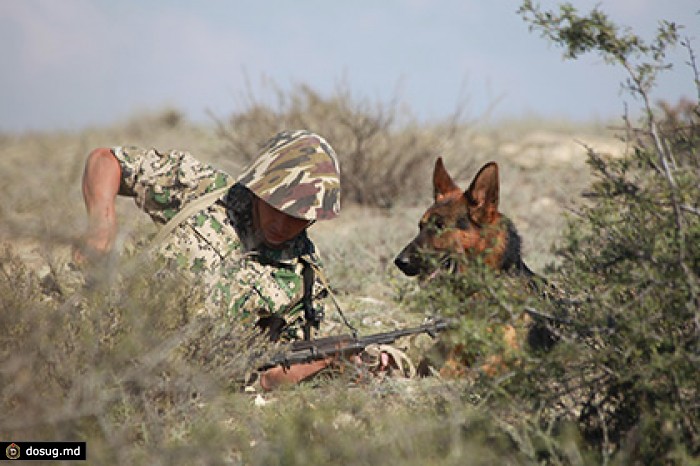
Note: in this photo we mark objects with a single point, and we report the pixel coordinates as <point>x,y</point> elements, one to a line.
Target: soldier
<point>243,240</point>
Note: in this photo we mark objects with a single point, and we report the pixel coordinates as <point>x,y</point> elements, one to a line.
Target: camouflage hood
<point>298,174</point>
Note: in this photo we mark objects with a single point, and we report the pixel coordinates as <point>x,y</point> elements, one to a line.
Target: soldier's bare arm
<point>280,376</point>
<point>101,180</point>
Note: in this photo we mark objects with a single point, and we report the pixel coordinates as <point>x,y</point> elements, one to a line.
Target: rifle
<point>305,351</point>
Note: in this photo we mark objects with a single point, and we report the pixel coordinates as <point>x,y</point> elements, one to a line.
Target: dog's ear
<point>442,182</point>
<point>483,193</point>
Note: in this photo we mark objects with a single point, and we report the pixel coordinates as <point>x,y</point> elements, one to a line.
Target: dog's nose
<point>404,263</point>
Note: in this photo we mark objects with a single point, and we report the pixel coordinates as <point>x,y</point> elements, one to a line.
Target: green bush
<point>621,385</point>
<point>633,252</point>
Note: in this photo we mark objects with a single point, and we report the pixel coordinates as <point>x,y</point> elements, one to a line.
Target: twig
<point>690,209</point>
<point>693,64</point>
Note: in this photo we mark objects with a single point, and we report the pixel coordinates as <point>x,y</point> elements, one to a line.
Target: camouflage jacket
<point>217,246</point>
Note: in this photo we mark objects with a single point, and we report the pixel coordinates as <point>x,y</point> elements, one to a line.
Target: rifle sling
<point>310,268</point>
<point>191,208</point>
<point>324,281</point>
<point>311,318</point>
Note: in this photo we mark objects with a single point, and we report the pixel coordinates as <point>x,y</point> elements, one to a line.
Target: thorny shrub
<point>116,362</point>
<point>621,384</point>
<point>383,152</point>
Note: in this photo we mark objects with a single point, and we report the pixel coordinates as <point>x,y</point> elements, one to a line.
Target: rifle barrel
<point>311,350</point>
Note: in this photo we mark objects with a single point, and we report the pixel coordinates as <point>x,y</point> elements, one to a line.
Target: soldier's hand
<point>280,376</point>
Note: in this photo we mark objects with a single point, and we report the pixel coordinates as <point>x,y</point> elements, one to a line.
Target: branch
<point>693,64</point>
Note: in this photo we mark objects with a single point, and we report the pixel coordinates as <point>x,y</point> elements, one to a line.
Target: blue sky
<point>69,64</point>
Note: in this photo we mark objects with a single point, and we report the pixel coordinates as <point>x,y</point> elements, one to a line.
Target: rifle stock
<point>305,351</point>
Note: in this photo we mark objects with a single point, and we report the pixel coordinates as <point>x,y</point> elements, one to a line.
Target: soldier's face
<point>276,226</point>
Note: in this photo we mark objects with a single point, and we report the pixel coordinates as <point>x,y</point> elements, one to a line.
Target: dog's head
<point>458,225</point>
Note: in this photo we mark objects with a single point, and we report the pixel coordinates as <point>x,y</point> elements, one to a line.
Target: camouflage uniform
<point>297,173</point>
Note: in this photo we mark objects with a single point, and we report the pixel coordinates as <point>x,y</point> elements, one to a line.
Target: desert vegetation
<point>608,213</point>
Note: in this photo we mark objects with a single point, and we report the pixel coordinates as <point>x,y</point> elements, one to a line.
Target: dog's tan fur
<point>467,224</point>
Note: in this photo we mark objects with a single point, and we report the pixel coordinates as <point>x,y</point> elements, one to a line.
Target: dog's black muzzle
<point>407,261</point>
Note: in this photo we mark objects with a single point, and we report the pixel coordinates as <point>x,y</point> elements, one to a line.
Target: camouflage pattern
<point>218,246</point>
<point>297,173</point>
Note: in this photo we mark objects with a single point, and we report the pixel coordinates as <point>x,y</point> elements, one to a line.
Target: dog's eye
<point>433,224</point>
<point>463,223</point>
<point>438,223</point>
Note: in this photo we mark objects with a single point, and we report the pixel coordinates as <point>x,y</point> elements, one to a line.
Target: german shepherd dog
<point>466,225</point>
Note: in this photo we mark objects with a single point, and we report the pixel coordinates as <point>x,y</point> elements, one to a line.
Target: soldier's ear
<point>442,182</point>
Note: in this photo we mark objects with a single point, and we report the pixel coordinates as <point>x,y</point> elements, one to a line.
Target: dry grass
<point>93,377</point>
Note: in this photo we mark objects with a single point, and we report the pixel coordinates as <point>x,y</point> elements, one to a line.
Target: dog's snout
<point>406,265</point>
